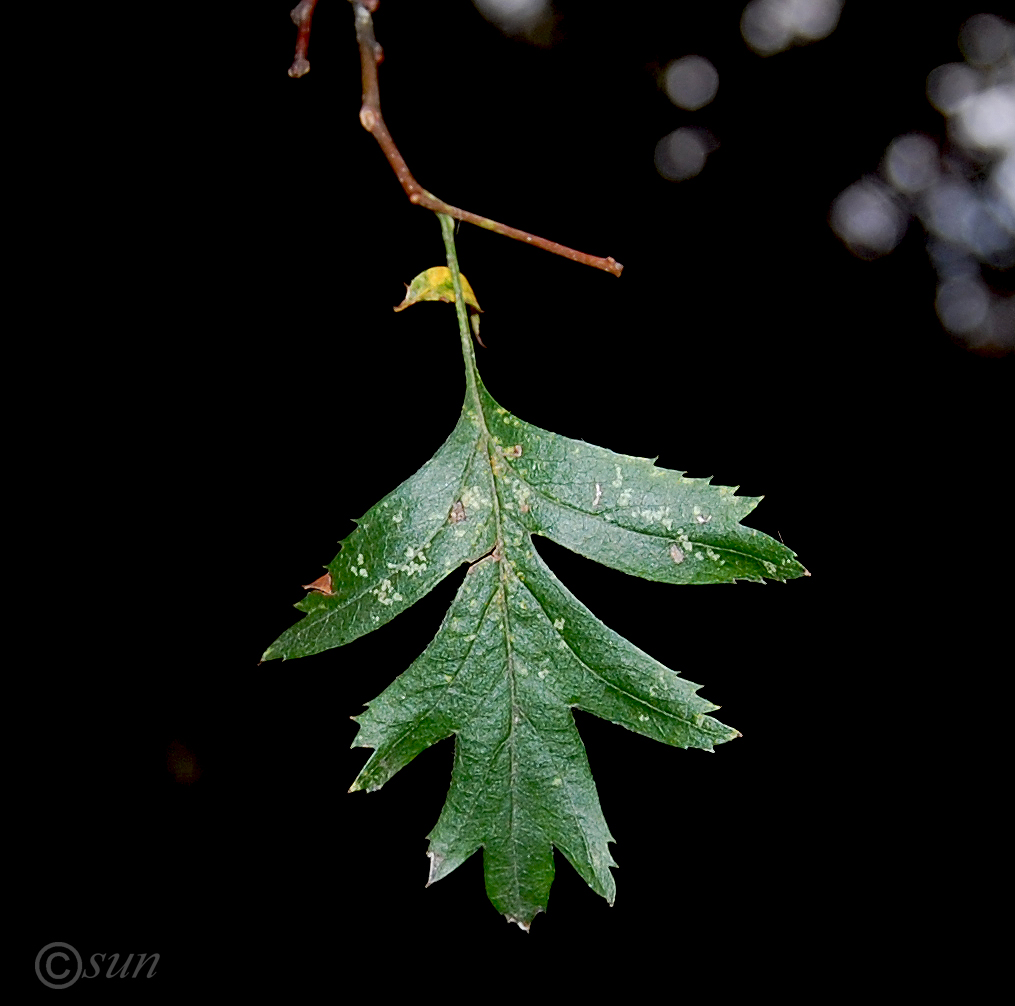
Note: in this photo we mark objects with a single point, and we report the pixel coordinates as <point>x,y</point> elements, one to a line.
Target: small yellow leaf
<point>435,284</point>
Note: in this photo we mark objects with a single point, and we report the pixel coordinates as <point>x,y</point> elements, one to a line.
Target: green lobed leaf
<point>517,651</point>
<point>620,510</point>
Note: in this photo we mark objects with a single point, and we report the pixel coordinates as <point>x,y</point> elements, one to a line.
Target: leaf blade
<point>402,547</point>
<point>627,513</point>
<point>515,653</point>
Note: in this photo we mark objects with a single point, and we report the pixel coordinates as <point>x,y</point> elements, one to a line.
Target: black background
<point>226,387</point>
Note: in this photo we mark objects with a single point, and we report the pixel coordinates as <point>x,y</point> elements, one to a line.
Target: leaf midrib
<point>484,443</point>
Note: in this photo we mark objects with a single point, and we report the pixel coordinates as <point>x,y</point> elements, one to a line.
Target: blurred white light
<point>986,40</point>
<point>769,26</point>
<point>987,119</point>
<point>513,15</point>
<point>691,82</point>
<point>946,209</point>
<point>951,260</point>
<point>962,304</point>
<point>1001,323</point>
<point>981,223</point>
<point>1003,181</point>
<point>950,85</point>
<point>867,219</point>
<point>682,154</point>
<point>965,198</point>
<point>764,30</point>
<point>911,162</point>
<point>986,236</point>
<point>1002,212</point>
<point>816,19</point>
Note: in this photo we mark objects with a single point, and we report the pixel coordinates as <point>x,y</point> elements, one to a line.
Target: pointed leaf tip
<point>435,862</point>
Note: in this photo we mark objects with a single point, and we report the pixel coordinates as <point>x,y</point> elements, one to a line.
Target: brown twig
<point>371,54</point>
<point>302,14</point>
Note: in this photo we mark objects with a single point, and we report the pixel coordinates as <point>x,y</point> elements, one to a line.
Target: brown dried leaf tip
<point>322,585</point>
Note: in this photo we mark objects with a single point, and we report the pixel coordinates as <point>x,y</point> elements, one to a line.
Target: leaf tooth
<point>519,923</point>
<point>435,863</point>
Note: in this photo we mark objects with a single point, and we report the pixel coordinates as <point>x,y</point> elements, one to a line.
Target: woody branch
<point>372,121</point>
